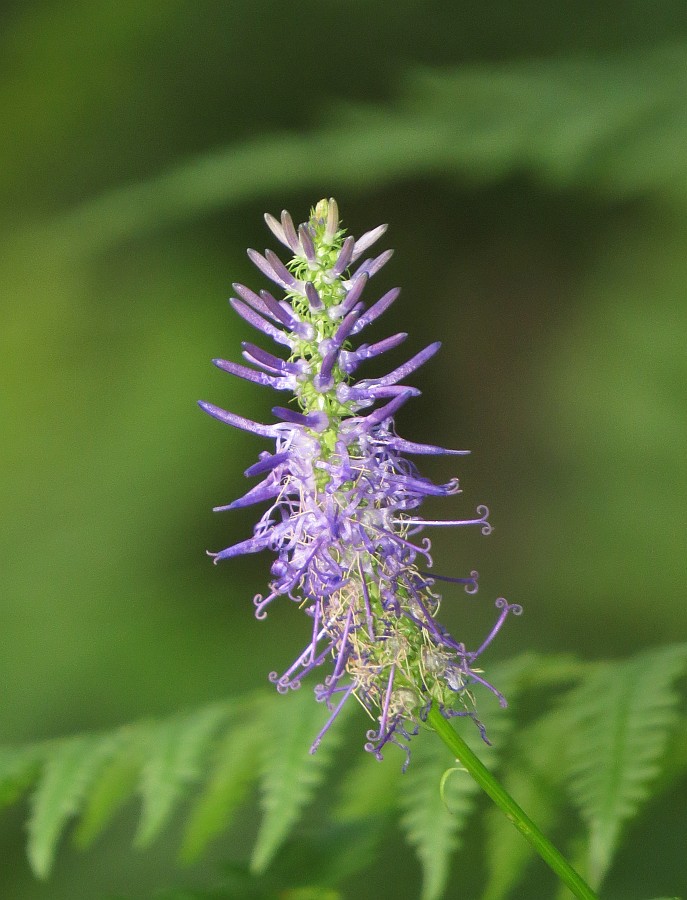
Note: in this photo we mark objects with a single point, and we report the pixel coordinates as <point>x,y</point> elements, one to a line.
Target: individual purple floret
<point>342,494</point>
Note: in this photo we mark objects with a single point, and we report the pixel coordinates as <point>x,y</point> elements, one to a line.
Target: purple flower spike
<point>342,496</point>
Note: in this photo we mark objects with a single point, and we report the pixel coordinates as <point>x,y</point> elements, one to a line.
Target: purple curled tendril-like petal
<point>505,608</point>
<point>482,511</point>
<point>327,725</point>
<point>471,583</point>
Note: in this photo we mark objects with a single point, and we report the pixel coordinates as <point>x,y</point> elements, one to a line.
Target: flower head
<point>342,492</point>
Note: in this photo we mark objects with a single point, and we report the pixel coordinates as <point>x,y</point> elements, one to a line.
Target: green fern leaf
<point>114,785</point>
<point>368,790</point>
<point>621,718</point>
<point>19,768</point>
<point>176,752</point>
<point>532,670</point>
<point>436,802</point>
<point>533,778</point>
<point>234,771</point>
<point>438,126</point>
<point>289,773</point>
<point>70,768</point>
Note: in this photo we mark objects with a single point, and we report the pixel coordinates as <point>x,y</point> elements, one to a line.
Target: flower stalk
<point>476,768</point>
<point>343,494</point>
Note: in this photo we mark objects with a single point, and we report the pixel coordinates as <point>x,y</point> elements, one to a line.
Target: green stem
<point>551,856</point>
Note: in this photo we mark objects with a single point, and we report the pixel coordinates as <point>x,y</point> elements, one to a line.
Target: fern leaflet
<point>621,718</point>
<point>434,814</point>
<point>234,771</point>
<point>176,753</point>
<point>289,773</point>
<point>63,784</point>
<point>112,787</point>
<point>533,778</point>
<point>19,768</point>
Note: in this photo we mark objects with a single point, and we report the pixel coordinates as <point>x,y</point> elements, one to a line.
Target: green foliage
<point>231,776</point>
<point>69,771</point>
<point>289,773</point>
<point>533,776</point>
<point>111,788</point>
<point>176,751</point>
<point>611,740</point>
<point>577,121</point>
<point>19,768</point>
<point>436,801</point>
<point>485,132</point>
<point>620,720</point>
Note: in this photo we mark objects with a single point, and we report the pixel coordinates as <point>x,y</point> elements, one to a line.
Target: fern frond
<point>234,771</point>
<point>535,670</point>
<point>621,718</point>
<point>289,773</point>
<point>176,753</point>
<point>438,126</point>
<point>67,775</point>
<point>533,777</point>
<point>113,786</point>
<point>368,790</point>
<point>19,768</point>
<point>436,801</point>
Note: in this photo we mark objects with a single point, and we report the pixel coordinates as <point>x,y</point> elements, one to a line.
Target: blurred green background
<point>531,161</point>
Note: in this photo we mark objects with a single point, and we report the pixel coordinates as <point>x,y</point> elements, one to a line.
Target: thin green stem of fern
<point>551,856</point>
